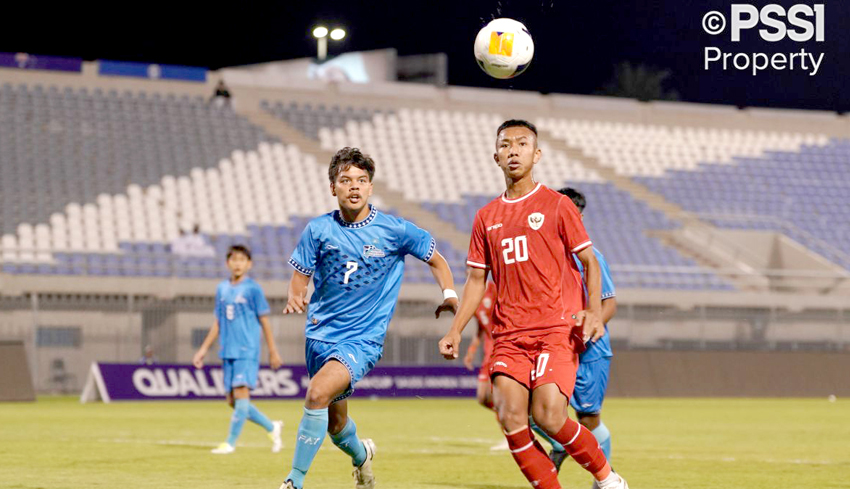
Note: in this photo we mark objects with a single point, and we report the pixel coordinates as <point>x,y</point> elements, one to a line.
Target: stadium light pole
<point>321,34</point>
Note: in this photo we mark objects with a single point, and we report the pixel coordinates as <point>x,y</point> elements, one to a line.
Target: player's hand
<point>274,360</point>
<point>450,345</point>
<point>296,304</point>
<point>449,304</point>
<point>467,359</point>
<point>592,327</point>
<point>198,359</point>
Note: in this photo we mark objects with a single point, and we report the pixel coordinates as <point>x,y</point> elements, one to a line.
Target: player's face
<point>238,264</point>
<point>352,189</point>
<point>516,152</point>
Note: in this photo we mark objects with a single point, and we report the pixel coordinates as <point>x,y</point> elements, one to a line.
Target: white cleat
<point>500,447</point>
<point>287,484</point>
<point>620,483</point>
<point>274,436</point>
<point>363,477</point>
<point>223,449</point>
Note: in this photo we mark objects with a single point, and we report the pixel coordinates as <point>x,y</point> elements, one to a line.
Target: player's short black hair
<point>348,157</point>
<point>577,197</point>
<point>517,123</point>
<point>239,248</point>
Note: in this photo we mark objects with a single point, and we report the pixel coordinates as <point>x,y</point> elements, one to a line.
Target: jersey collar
<point>506,200</point>
<point>359,224</point>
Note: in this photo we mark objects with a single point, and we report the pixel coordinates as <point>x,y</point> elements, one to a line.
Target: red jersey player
<point>484,336</point>
<point>525,239</point>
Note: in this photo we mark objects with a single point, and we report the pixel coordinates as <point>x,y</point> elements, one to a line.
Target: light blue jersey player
<point>241,312</point>
<point>595,361</point>
<point>355,256</point>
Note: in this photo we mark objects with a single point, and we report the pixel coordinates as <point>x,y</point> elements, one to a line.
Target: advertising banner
<point>153,71</point>
<point>131,382</point>
<point>26,61</point>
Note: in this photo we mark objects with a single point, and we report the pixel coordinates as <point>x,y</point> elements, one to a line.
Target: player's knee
<point>549,416</point>
<point>511,417</point>
<point>317,397</point>
<point>485,398</point>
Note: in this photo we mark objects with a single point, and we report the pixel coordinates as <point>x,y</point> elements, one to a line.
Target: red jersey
<point>484,315</point>
<point>527,244</point>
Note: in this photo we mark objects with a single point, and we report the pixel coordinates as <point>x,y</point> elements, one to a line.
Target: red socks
<point>532,459</point>
<point>582,446</point>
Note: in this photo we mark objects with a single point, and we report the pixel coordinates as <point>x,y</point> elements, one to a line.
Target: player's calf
<point>532,459</point>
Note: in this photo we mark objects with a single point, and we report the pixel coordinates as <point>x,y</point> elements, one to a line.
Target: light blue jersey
<point>238,308</point>
<point>601,348</point>
<point>357,270</point>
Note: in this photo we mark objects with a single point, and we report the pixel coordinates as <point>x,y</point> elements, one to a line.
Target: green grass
<point>435,444</point>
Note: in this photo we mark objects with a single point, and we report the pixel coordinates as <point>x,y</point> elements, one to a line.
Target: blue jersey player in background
<point>595,361</point>
<point>241,312</point>
<point>355,256</point>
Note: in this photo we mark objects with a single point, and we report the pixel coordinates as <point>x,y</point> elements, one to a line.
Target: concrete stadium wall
<point>729,374</point>
<point>15,380</point>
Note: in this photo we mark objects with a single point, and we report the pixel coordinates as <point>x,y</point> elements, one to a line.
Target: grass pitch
<point>422,444</point>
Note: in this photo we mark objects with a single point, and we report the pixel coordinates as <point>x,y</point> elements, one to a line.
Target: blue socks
<point>603,436</point>
<point>311,433</point>
<point>555,445</point>
<point>261,419</point>
<point>347,441</point>
<point>240,414</point>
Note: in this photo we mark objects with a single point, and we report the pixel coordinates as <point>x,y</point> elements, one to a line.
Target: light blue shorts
<point>358,356</point>
<point>239,372</point>
<point>591,383</point>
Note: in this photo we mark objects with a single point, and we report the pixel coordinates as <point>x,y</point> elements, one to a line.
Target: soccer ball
<point>504,48</point>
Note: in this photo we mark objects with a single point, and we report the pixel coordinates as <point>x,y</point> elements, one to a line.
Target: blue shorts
<point>591,382</point>
<point>358,356</point>
<point>239,372</point>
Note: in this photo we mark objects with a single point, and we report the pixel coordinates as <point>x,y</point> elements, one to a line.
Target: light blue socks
<point>240,414</point>
<point>311,433</point>
<point>603,436</point>
<point>261,419</point>
<point>347,441</point>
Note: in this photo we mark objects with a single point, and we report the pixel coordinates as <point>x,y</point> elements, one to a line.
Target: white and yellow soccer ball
<point>504,48</point>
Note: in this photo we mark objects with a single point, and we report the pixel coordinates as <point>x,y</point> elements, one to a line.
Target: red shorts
<point>548,357</point>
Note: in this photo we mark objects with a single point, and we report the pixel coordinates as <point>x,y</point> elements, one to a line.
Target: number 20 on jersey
<point>515,249</point>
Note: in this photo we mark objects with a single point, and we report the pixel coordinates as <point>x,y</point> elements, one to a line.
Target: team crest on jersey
<point>372,251</point>
<point>536,220</point>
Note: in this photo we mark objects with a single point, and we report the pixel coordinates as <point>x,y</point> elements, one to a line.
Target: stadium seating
<point>185,165</point>
<point>100,183</point>
<point>63,145</point>
<point>799,193</point>
<point>441,160</point>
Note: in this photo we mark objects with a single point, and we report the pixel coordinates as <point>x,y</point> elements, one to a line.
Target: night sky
<point>577,43</point>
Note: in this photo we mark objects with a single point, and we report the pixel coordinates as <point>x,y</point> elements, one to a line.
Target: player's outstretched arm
<point>591,318</point>
<point>443,275</point>
<point>198,359</point>
<point>274,356</point>
<point>297,301</point>
<point>473,292</point>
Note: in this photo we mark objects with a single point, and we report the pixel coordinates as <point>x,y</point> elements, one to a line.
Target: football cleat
<point>558,457</point>
<point>223,449</point>
<point>274,436</point>
<point>363,477</point>
<point>287,484</point>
